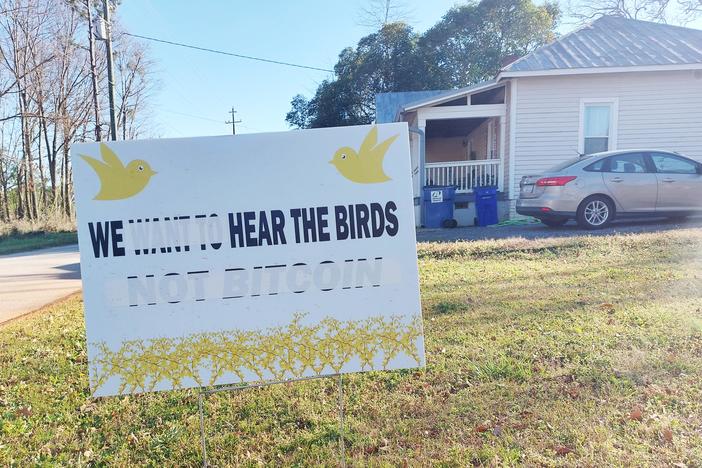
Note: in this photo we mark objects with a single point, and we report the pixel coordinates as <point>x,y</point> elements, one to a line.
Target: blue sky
<point>205,86</point>
<point>197,89</point>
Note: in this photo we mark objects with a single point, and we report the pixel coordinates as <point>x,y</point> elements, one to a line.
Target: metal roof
<point>388,105</point>
<point>450,94</point>
<point>612,41</point>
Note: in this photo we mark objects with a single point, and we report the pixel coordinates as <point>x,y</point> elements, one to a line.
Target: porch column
<point>422,156</point>
<point>503,127</point>
<point>420,131</point>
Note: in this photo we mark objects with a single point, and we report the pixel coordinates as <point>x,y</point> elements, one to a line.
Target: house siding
<point>655,110</point>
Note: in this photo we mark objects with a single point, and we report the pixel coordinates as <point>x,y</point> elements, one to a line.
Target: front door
<point>679,183</point>
<point>630,181</point>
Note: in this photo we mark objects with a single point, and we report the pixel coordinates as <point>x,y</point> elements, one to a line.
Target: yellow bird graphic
<point>366,166</point>
<point>117,181</point>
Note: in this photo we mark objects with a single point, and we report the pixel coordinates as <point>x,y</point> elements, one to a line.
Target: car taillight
<point>554,181</point>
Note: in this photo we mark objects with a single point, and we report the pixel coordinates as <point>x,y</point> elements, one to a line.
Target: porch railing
<point>465,174</point>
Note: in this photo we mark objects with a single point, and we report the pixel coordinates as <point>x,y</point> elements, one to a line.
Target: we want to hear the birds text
<point>185,233</point>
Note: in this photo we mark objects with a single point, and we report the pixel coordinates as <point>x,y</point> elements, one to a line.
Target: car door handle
<point>617,179</point>
<point>668,179</point>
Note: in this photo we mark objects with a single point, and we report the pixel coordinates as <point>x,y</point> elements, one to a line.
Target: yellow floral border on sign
<point>280,353</point>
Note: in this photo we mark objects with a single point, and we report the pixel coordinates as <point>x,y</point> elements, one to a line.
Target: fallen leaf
<point>371,450</point>
<point>563,450</point>
<point>667,435</point>
<point>497,431</point>
<point>132,439</point>
<point>24,411</point>
<point>574,392</point>
<point>636,414</point>
<point>679,465</point>
<point>481,428</point>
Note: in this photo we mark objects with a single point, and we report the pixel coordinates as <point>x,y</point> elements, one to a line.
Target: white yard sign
<point>230,259</point>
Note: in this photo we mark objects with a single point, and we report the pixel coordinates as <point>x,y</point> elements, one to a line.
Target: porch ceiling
<point>447,128</point>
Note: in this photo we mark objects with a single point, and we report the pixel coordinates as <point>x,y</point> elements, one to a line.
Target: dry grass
<point>48,231</point>
<point>47,223</point>
<point>569,352</point>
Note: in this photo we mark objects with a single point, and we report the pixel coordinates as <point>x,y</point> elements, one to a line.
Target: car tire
<point>449,223</point>
<point>554,222</point>
<point>595,212</point>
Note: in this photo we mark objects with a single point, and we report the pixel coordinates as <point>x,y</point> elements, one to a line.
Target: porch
<point>464,142</point>
<point>457,138</point>
<point>465,152</point>
<point>465,175</point>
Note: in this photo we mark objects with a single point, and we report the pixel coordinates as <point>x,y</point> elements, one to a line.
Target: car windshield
<point>568,163</point>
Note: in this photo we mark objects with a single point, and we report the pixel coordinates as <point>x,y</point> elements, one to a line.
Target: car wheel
<point>595,212</point>
<point>554,222</point>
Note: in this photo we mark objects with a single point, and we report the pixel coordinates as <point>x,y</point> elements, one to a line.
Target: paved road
<point>538,230</point>
<point>30,280</point>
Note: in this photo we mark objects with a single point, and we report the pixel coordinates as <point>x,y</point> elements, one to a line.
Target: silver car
<point>595,189</point>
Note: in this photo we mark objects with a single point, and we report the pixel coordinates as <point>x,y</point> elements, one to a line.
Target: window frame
<point>613,103</point>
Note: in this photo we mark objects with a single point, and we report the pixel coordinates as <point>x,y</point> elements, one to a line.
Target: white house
<point>613,84</point>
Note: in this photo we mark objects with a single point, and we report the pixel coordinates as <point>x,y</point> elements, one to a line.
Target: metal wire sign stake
<point>232,388</point>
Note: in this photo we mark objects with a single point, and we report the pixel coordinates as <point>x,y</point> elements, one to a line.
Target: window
<point>667,163</point>
<point>596,166</point>
<point>597,125</point>
<point>630,163</point>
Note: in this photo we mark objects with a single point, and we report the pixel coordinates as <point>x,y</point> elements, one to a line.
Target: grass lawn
<point>21,242</point>
<point>579,351</point>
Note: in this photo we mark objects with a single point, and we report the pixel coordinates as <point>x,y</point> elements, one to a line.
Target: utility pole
<point>233,121</point>
<point>110,75</point>
<point>93,72</point>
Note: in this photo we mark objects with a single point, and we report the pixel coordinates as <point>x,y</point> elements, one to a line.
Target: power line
<point>190,115</point>
<point>208,119</point>
<point>231,54</point>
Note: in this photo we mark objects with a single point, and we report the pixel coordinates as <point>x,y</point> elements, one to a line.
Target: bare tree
<point>134,84</point>
<point>23,28</point>
<point>662,11</point>
<point>51,94</point>
<point>378,13</point>
<point>690,9</point>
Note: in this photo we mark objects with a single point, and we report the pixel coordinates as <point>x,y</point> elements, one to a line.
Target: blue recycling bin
<point>438,205</point>
<point>486,205</point>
